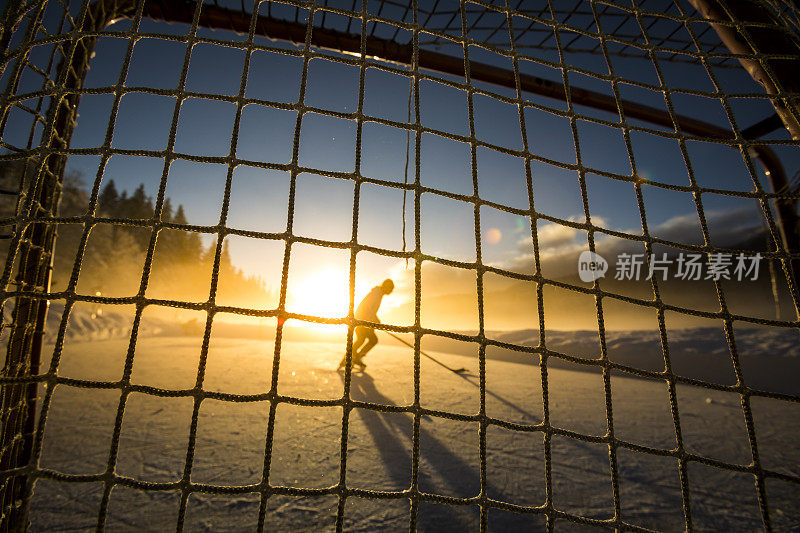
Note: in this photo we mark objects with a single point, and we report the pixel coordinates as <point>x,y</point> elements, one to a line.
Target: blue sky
<point>324,205</point>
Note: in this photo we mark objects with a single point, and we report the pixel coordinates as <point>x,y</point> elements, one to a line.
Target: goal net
<point>462,117</point>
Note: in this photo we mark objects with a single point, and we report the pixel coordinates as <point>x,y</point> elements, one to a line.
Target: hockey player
<point>368,310</point>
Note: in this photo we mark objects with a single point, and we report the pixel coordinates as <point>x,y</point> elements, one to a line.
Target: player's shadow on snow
<point>471,379</point>
<point>392,436</point>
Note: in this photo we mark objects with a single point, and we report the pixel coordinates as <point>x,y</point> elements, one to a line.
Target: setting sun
<point>323,293</point>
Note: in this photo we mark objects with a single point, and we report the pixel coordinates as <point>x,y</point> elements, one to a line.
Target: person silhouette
<point>368,310</point>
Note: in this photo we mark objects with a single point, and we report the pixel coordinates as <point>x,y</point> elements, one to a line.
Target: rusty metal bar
<point>217,17</point>
<point>780,76</point>
<point>784,77</point>
<point>35,259</point>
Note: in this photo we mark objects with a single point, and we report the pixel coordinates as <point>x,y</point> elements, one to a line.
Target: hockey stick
<point>454,370</point>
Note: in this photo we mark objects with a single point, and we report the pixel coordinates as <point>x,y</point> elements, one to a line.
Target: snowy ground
<point>306,451</point>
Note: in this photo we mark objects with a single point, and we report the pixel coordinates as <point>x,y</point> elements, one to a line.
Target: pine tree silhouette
<point>108,202</point>
<point>112,261</point>
<point>166,210</point>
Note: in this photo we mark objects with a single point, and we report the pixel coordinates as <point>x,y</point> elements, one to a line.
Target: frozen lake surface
<point>231,437</point>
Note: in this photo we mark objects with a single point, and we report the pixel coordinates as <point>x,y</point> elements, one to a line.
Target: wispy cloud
<point>559,245</point>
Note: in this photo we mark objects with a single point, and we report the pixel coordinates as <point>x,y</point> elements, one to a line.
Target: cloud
<point>560,246</point>
<point>727,227</point>
<point>554,235</point>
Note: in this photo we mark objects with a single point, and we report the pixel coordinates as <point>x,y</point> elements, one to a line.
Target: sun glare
<point>323,293</point>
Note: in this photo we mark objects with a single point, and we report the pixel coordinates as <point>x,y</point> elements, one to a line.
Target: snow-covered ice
<point>229,449</point>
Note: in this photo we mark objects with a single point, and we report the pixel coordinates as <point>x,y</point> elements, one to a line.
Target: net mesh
<point>566,37</point>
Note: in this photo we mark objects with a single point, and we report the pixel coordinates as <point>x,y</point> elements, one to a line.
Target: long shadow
<point>500,398</point>
<point>469,378</point>
<point>451,468</point>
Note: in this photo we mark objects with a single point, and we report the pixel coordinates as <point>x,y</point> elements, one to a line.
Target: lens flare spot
<point>493,235</point>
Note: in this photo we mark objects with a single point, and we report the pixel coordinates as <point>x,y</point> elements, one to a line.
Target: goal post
<point>759,35</point>
<point>751,32</point>
<point>32,242</point>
